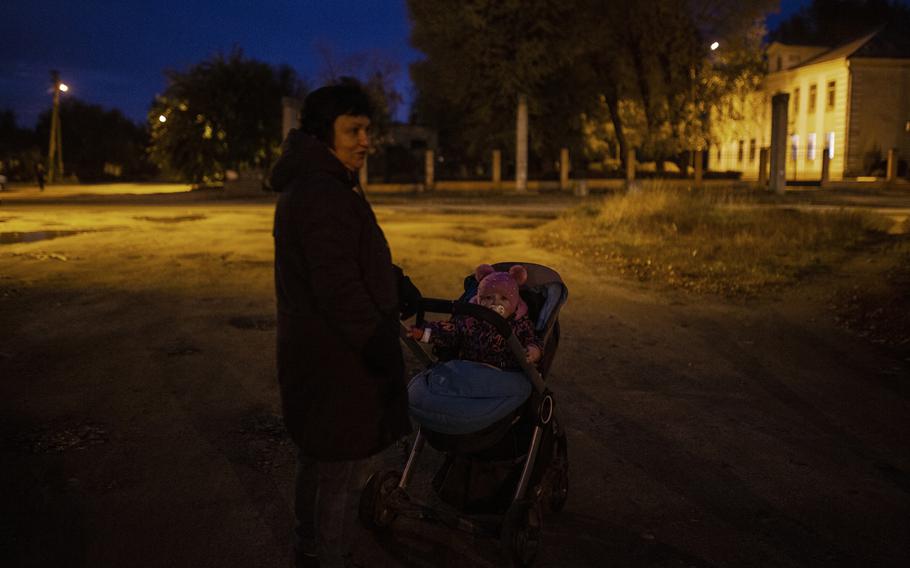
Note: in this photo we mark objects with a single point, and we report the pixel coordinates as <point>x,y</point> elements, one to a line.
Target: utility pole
<point>55,144</point>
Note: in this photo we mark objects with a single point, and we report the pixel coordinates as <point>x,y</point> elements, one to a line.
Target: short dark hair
<point>324,105</point>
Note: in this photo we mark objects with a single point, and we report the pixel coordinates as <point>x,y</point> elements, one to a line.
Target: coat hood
<point>302,155</point>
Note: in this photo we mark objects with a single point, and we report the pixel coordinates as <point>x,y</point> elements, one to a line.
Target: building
<point>851,101</point>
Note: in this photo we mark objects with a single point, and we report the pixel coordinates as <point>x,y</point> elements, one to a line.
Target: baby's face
<point>498,303</point>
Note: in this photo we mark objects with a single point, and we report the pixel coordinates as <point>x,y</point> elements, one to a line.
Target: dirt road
<point>138,406</point>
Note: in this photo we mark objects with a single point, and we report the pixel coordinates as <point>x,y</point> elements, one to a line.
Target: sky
<point>113,52</point>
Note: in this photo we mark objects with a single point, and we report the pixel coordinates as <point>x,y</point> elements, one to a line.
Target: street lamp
<point>162,119</point>
<point>715,45</point>
<point>55,145</point>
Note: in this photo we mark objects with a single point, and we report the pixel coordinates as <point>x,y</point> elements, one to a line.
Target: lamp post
<point>55,144</point>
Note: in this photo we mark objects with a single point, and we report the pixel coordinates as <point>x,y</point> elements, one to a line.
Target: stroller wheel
<point>521,530</point>
<point>559,476</point>
<point>376,510</point>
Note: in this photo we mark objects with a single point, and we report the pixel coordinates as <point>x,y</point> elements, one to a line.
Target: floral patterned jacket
<point>469,338</point>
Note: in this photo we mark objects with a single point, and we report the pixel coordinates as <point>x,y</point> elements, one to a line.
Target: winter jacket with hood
<point>340,366</point>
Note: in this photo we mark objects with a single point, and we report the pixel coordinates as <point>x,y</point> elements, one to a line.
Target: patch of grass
<point>716,241</point>
<point>880,312</point>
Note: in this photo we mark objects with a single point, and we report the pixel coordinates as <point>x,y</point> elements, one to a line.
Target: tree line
<point>600,77</point>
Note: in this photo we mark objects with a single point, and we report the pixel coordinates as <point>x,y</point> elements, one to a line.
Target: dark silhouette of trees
<point>222,113</point>
<point>98,144</point>
<point>19,149</point>
<point>640,70</point>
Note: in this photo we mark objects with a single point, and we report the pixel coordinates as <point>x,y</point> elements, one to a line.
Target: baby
<point>476,340</point>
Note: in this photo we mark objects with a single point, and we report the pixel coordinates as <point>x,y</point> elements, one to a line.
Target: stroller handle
<point>438,306</point>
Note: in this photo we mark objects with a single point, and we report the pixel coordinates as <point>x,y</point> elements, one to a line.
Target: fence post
<point>497,169</point>
<point>826,168</point>
<point>891,170</point>
<point>363,172</point>
<point>564,169</point>
<point>521,145</point>
<point>779,106</point>
<point>699,165</point>
<point>763,166</point>
<point>429,166</point>
<point>630,169</point>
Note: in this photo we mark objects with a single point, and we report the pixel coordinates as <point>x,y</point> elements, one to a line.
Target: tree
<point>481,55</point>
<point>223,113</point>
<point>642,65</point>
<point>19,150</point>
<point>98,144</point>
<point>654,76</point>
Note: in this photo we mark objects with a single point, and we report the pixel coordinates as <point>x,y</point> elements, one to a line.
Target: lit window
<point>752,150</point>
<point>830,145</point>
<point>810,146</point>
<point>832,90</point>
<point>796,101</point>
<point>794,147</point>
<point>813,94</point>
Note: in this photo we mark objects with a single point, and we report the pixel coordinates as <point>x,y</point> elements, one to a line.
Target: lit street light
<point>714,46</point>
<point>64,88</point>
<point>162,118</point>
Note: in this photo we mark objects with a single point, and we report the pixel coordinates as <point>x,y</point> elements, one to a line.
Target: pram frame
<point>523,514</point>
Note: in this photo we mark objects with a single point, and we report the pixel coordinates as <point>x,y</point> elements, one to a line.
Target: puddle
<point>178,219</point>
<point>16,237</point>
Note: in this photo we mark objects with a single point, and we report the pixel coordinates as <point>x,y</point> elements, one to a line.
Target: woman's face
<point>498,303</point>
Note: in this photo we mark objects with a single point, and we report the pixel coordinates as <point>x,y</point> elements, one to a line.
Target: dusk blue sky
<point>113,53</point>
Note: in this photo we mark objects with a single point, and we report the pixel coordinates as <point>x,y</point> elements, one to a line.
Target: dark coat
<point>340,367</point>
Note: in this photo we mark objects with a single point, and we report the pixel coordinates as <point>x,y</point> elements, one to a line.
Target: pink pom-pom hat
<point>492,281</point>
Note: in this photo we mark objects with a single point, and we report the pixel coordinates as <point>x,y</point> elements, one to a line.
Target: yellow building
<point>852,101</point>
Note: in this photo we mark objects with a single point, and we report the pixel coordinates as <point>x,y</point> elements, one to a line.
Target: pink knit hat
<point>505,283</point>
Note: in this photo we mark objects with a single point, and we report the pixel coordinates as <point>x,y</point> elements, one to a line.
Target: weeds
<point>717,242</point>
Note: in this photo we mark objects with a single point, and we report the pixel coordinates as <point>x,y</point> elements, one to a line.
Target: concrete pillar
<point>521,145</point>
<point>564,169</point>
<point>363,173</point>
<point>429,168</point>
<point>826,168</point>
<point>763,154</point>
<point>891,170</point>
<point>779,105</point>
<point>290,114</point>
<point>699,165</point>
<point>630,169</point>
<point>497,169</point>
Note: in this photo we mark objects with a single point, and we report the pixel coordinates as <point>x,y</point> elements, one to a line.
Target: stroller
<point>501,476</point>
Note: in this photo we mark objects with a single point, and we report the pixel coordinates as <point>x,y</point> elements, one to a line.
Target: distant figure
<point>39,173</point>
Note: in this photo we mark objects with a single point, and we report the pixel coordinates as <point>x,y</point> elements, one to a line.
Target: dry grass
<point>717,242</point>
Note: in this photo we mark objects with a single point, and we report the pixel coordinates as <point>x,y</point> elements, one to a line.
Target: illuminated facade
<point>852,101</point>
